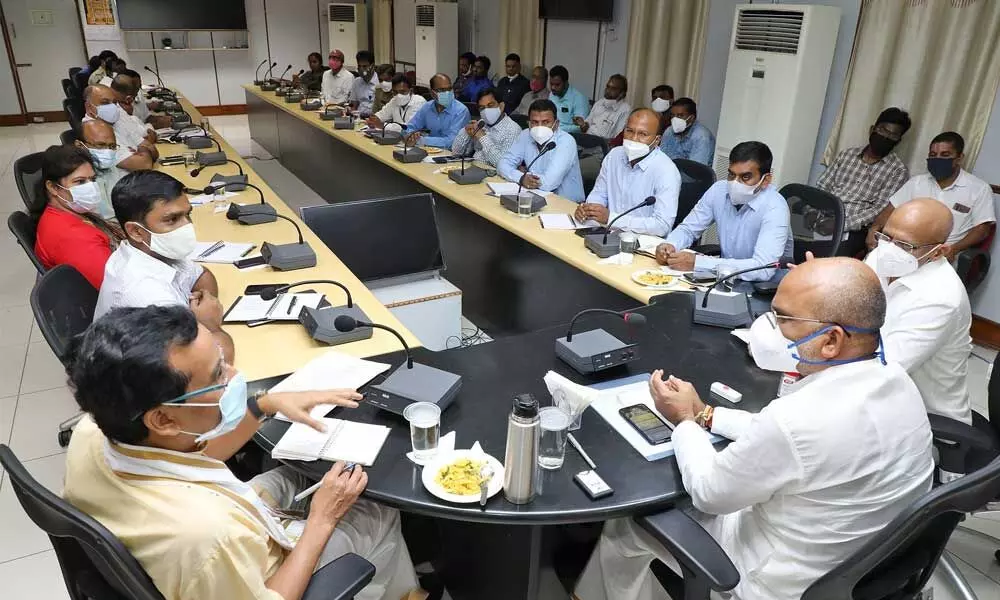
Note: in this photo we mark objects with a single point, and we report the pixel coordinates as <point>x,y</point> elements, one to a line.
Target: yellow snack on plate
<point>461,477</point>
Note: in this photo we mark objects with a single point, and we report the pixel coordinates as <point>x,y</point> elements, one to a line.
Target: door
<point>46,39</point>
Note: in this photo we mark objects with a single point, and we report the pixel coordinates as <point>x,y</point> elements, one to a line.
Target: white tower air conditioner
<point>436,39</point>
<point>779,65</point>
<point>348,30</point>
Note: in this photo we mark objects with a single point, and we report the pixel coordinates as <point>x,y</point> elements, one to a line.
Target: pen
<point>580,449</point>
<point>274,305</point>
<point>249,250</point>
<point>213,248</point>
<point>291,304</point>
<point>309,491</point>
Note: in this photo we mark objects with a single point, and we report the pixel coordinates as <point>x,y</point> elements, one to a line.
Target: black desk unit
<point>504,552</point>
<point>509,286</point>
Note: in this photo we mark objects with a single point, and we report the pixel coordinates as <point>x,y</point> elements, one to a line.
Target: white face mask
<point>108,113</point>
<point>104,157</point>
<point>541,134</point>
<point>770,348</point>
<point>404,99</point>
<point>491,115</point>
<point>84,198</point>
<point>678,124</point>
<point>741,193</point>
<point>890,261</point>
<point>174,245</point>
<point>635,150</point>
<point>660,105</point>
<point>386,86</point>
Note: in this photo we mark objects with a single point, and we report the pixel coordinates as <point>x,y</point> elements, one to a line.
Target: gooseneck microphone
<point>406,156</point>
<point>775,265</point>
<point>599,243</point>
<point>630,318</point>
<point>236,183</point>
<point>546,148</point>
<point>345,324</point>
<point>510,201</point>
<point>251,214</point>
<point>196,172</point>
<point>383,139</point>
<point>474,174</point>
<point>256,72</point>
<point>272,293</point>
<point>729,310</point>
<point>597,350</point>
<point>269,84</point>
<point>282,76</point>
<point>651,200</point>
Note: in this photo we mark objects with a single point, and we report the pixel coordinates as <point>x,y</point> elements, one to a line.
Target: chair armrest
<point>957,432</point>
<point>709,249</point>
<point>705,565</point>
<point>968,257</point>
<point>341,579</point>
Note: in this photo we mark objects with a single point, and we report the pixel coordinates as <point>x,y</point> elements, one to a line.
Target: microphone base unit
<point>198,143</point>
<point>211,159</point>
<point>419,384</point>
<point>724,309</point>
<point>292,97</point>
<point>233,183</point>
<point>510,201</point>
<point>171,106</point>
<point>288,257</point>
<point>595,350</point>
<point>268,86</point>
<point>343,123</point>
<point>180,121</point>
<point>281,92</point>
<point>330,115</point>
<point>414,154</point>
<point>313,104</point>
<point>258,82</point>
<point>253,214</point>
<point>319,324</point>
<point>471,176</point>
<point>386,139</point>
<point>596,244</point>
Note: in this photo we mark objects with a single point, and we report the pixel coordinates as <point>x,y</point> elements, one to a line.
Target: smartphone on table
<point>650,425</point>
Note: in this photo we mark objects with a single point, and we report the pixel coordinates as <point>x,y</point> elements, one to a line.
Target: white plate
<point>668,286</point>
<point>444,459</point>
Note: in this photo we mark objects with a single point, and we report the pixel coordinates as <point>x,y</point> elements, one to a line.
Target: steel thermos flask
<point>520,482</point>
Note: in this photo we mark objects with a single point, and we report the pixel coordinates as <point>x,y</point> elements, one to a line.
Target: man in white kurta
<point>808,480</point>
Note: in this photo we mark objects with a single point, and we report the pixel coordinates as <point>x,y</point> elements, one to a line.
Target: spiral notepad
<point>346,441</point>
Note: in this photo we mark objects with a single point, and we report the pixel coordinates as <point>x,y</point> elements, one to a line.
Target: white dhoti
<point>369,530</point>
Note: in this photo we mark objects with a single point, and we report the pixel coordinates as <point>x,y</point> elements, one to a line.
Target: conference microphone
<point>405,156</point>
<point>272,292</point>
<point>600,245</point>
<point>510,202</point>
<point>384,139</point>
<point>474,174</point>
<point>410,382</point>
<point>161,92</point>
<point>597,350</point>
<point>256,73</point>
<point>728,309</point>
<point>282,77</point>
<point>200,142</point>
<point>236,183</point>
<point>196,172</point>
<point>158,78</point>
<point>320,322</point>
<point>269,85</point>
<point>775,265</point>
<point>250,214</point>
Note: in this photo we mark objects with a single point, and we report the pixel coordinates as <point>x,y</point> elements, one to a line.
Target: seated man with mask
<point>632,173</point>
<point>363,89</point>
<point>101,103</point>
<point>812,477</point>
<point>752,218</point>
<point>400,108</point>
<point>130,129</point>
<point>928,315</point>
<point>164,411</point>
<point>112,160</point>
<point>490,142</point>
<point>608,116</point>
<point>684,136</point>
<point>442,119</point>
<point>558,170</point>
<point>151,267</point>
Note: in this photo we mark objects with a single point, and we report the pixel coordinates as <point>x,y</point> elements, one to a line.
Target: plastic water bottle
<point>787,381</point>
<point>520,482</point>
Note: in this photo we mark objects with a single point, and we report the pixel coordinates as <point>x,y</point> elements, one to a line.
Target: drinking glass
<point>190,158</point>
<point>628,242</point>
<point>425,428</point>
<point>524,205</point>
<point>559,399</point>
<point>722,273</point>
<point>554,424</point>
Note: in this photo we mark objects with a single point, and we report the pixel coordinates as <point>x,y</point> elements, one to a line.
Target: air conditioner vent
<point>769,31</point>
<point>425,15</point>
<point>342,13</point>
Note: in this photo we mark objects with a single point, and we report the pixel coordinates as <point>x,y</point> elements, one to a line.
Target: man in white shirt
<point>401,107</point>
<point>100,102</point>
<point>363,88</point>
<point>112,160</point>
<point>608,116</point>
<point>151,267</point>
<point>338,81</point>
<point>969,197</point>
<point>812,477</point>
<point>928,315</point>
<point>490,142</point>
<point>631,173</point>
<point>129,128</point>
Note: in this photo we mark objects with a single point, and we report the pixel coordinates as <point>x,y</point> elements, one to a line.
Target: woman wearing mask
<point>70,230</point>
<point>383,91</point>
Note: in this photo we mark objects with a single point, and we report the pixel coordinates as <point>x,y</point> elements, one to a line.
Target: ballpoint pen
<point>211,249</point>
<point>291,304</point>
<point>309,491</point>
<point>579,448</point>
<point>274,305</point>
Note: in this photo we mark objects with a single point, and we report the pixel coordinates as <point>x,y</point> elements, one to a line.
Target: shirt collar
<point>922,276</point>
<point>960,182</point>
<point>148,264</point>
<point>645,162</point>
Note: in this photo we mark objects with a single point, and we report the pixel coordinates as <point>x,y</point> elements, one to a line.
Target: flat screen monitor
<point>382,238</point>
<point>577,10</point>
<point>157,15</point>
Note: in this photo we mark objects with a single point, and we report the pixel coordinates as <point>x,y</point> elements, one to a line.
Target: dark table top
<point>495,372</point>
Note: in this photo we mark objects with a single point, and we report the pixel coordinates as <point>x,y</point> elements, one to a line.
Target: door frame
<point>21,119</point>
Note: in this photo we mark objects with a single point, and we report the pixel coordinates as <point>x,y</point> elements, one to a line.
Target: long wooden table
<point>344,165</point>
<point>276,349</point>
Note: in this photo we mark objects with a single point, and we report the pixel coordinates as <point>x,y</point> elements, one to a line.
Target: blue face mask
<point>879,352</point>
<point>444,99</point>
<point>232,404</point>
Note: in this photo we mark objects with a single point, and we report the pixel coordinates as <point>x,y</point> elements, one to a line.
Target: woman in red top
<point>69,228</point>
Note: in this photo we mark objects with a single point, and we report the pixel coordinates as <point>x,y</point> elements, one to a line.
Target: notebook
<point>562,221</point>
<point>501,188</point>
<point>346,441</point>
<point>220,252</point>
<point>252,307</point>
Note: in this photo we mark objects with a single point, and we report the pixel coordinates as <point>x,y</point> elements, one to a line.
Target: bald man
<point>99,103</point>
<point>812,477</point>
<point>437,123</point>
<point>928,315</point>
<point>631,173</point>
<point>112,160</point>
<point>129,129</point>
<point>338,81</point>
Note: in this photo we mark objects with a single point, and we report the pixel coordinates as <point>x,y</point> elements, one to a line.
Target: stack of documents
<point>286,307</point>
<point>347,441</point>
<point>220,252</point>
<point>330,371</point>
<point>562,221</point>
<point>508,188</point>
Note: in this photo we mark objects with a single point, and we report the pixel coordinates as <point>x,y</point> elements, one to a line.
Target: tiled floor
<point>34,397</point>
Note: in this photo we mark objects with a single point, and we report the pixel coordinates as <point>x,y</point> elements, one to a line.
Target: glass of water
<point>190,158</point>
<point>722,273</point>
<point>560,400</point>
<point>628,242</point>
<point>425,428</point>
<point>524,205</point>
<point>554,423</point>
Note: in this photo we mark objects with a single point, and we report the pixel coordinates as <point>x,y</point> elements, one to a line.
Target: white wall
<point>591,51</point>
<point>986,299</point>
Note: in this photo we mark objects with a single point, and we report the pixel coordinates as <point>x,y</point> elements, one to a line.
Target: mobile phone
<point>259,288</point>
<point>649,425</point>
<point>700,277</point>
<point>589,231</point>
<point>253,261</point>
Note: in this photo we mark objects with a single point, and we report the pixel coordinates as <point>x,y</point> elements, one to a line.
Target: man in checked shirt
<point>865,177</point>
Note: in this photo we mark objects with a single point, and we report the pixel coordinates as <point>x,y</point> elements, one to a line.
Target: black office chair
<point>520,119</point>
<point>97,566</point>
<point>972,264</point>
<point>80,80</point>
<point>69,88</point>
<point>68,137</point>
<point>28,175</point>
<point>696,178</point>
<point>590,160</point>
<point>423,91</point>
<point>73,71</point>
<point>817,220</point>
<point>586,141</point>
<point>473,109</point>
<point>23,226</point>
<point>73,107</point>
<point>895,564</point>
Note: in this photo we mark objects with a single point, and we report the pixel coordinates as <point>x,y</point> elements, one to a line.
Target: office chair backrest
<point>68,137</point>
<point>73,71</point>
<point>81,79</point>
<point>473,109</point>
<point>898,561</point>
<point>587,141</point>
<point>95,564</point>
<point>28,175</point>
<point>23,226</point>
<point>69,88</point>
<point>73,107</point>
<point>817,220</point>
<point>993,396</point>
<point>63,303</point>
<point>696,178</point>
<point>520,119</point>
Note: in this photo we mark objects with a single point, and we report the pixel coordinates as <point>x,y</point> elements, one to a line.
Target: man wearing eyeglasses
<point>812,477</point>
<point>865,177</point>
<point>111,160</point>
<point>928,315</point>
<point>437,123</point>
<point>165,410</point>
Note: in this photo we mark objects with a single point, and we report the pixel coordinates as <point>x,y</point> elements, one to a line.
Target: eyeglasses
<point>907,246</point>
<point>773,317</point>
<point>882,131</point>
<point>102,146</point>
<point>443,89</point>
<point>182,400</point>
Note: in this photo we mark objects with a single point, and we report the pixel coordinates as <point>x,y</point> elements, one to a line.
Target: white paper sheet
<point>505,187</point>
<point>229,253</point>
<point>254,308</point>
<point>332,370</point>
<point>564,222</point>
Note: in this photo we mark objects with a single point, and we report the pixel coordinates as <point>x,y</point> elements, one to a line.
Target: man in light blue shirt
<point>570,102</point>
<point>558,170</point>
<point>631,173</point>
<point>752,218</point>
<point>443,118</point>
<point>685,137</point>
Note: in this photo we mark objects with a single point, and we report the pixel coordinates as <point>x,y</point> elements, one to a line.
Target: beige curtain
<point>382,31</point>
<point>521,31</point>
<point>666,42</point>
<point>937,59</point>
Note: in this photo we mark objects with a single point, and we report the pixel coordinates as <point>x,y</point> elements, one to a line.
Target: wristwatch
<point>704,418</point>
<point>254,406</point>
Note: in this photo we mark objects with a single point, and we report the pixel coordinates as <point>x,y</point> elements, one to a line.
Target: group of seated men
<point>888,338</point>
